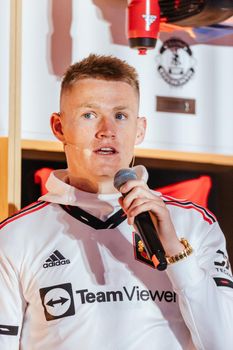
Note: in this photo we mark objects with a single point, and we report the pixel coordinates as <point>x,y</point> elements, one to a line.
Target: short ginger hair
<point>100,67</point>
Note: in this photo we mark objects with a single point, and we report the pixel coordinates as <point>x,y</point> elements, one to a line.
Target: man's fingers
<point>129,185</point>
<point>148,205</point>
<point>138,192</point>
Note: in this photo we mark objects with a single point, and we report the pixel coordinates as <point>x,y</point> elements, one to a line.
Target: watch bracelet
<point>183,254</point>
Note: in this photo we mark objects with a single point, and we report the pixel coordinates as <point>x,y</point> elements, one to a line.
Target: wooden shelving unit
<point>217,159</point>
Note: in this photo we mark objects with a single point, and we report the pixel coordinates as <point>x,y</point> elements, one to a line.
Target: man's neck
<point>105,186</point>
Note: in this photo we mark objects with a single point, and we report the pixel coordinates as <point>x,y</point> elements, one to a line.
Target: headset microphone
<point>143,24</point>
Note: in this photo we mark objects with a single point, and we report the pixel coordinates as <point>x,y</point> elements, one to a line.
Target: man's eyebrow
<point>88,105</point>
<point>120,108</point>
<point>94,105</point>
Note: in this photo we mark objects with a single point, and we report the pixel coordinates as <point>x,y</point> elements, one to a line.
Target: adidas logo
<point>55,259</point>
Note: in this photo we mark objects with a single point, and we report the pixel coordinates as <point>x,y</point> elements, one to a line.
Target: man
<point>81,278</point>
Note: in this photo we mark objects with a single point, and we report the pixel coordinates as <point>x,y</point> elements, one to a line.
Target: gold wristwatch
<point>183,254</point>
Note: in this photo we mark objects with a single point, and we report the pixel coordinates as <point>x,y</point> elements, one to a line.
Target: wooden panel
<point>14,147</point>
<point>4,178</point>
<point>207,158</point>
<point>37,145</point>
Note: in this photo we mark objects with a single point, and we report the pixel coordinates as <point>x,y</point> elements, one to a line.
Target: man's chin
<point>107,167</point>
<point>108,171</point>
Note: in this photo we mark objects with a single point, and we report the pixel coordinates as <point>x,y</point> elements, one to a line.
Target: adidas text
<point>56,263</point>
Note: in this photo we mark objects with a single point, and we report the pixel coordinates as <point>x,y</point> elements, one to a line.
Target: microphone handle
<point>151,240</point>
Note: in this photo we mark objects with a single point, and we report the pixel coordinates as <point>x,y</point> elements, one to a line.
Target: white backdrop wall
<point>56,34</point>
<point>4,65</point>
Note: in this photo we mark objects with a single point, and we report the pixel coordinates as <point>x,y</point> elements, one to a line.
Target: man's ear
<point>141,130</point>
<point>56,126</point>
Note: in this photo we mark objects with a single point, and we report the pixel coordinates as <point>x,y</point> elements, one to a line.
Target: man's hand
<point>139,198</point>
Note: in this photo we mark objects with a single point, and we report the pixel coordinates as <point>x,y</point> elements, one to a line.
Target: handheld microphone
<point>143,24</point>
<point>144,224</point>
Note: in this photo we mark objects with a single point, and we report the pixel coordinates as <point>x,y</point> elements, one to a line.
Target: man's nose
<point>106,128</point>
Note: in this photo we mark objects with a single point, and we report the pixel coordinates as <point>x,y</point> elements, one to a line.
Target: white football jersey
<point>74,275</point>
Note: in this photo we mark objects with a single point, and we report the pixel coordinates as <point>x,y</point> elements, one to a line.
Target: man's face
<point>99,127</point>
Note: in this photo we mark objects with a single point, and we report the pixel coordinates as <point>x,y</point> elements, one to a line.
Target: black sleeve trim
<point>8,330</point>
<point>223,282</point>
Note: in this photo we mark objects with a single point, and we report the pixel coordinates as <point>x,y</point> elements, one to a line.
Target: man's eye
<point>121,116</point>
<point>89,116</point>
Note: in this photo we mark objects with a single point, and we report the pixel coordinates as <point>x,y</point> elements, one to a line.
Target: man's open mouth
<point>106,151</point>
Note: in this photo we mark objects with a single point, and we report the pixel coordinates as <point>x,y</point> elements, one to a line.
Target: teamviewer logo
<point>57,301</point>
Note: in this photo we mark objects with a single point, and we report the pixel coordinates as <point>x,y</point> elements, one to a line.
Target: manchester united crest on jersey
<point>140,252</point>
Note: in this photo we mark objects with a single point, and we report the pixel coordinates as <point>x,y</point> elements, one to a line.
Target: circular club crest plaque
<point>176,62</point>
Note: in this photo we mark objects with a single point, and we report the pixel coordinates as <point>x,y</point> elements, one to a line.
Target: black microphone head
<point>122,176</point>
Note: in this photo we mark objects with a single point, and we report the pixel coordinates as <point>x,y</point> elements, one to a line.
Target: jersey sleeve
<point>204,284</point>
<point>12,303</point>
